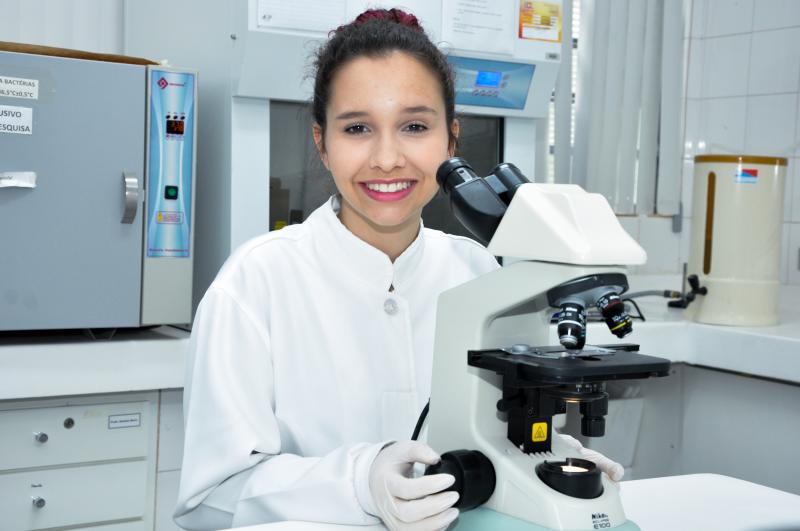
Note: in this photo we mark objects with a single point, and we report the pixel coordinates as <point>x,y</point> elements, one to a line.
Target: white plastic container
<point>736,238</point>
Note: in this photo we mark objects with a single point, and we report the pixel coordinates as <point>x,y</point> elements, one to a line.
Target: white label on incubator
<point>18,179</point>
<point>17,87</point>
<point>130,420</point>
<point>16,120</point>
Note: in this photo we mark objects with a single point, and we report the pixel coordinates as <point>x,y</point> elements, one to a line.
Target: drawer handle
<point>40,436</point>
<point>38,502</point>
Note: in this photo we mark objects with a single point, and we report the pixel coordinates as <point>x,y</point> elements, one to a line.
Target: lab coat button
<point>390,306</point>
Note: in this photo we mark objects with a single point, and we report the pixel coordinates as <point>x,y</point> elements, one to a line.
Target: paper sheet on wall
<point>306,15</point>
<point>480,25</point>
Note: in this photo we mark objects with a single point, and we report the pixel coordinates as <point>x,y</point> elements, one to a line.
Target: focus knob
<point>38,502</point>
<point>474,473</point>
<point>40,436</point>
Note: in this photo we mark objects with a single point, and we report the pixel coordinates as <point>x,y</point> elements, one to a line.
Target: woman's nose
<point>386,154</point>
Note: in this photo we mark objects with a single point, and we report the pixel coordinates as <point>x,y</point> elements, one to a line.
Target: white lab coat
<point>303,364</point>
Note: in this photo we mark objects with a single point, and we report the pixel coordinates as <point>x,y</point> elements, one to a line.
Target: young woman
<point>311,352</point>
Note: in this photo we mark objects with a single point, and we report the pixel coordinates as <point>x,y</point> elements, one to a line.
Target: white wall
<point>742,92</point>
<point>742,96</point>
<point>88,25</point>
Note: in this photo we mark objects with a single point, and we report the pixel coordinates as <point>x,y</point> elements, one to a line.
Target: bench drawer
<point>73,495</point>
<point>74,434</point>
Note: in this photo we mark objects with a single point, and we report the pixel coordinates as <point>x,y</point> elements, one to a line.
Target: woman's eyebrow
<point>349,115</point>
<point>419,108</point>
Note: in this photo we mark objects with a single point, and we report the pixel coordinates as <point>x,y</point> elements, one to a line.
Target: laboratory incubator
<point>97,177</point>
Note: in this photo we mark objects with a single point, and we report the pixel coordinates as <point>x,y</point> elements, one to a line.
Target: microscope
<point>497,383</point>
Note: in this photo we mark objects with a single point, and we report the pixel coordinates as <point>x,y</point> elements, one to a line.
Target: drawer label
<point>128,420</point>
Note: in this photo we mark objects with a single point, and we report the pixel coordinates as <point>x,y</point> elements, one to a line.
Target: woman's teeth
<point>390,187</point>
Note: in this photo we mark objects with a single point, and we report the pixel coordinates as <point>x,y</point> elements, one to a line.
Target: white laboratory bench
<point>53,365</point>
<point>696,502</point>
<point>143,360</point>
<point>71,364</point>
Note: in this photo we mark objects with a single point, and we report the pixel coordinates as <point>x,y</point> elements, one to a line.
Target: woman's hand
<point>405,503</point>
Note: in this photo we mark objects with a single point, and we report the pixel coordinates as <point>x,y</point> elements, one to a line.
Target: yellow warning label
<point>539,431</point>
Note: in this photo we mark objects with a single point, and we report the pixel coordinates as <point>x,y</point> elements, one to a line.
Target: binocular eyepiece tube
<point>479,203</point>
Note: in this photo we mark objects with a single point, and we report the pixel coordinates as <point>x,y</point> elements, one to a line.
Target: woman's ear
<point>455,129</point>
<point>319,142</point>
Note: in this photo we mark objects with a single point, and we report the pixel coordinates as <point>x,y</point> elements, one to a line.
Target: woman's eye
<point>356,129</point>
<point>416,128</point>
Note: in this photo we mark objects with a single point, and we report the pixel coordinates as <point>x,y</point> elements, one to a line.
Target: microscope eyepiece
<point>511,178</point>
<point>475,203</point>
<point>572,325</point>
<point>454,171</point>
<point>613,311</point>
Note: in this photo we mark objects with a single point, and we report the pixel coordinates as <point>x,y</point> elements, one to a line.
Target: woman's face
<point>385,137</point>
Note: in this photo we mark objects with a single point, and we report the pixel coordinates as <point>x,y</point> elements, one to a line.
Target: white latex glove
<point>613,469</point>
<point>411,504</point>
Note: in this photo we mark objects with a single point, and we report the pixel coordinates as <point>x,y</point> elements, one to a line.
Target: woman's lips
<point>396,195</point>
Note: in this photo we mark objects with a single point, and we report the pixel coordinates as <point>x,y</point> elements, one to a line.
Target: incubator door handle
<point>38,502</point>
<point>130,184</point>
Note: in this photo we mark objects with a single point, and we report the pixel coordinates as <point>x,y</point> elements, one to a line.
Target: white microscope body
<point>553,234</point>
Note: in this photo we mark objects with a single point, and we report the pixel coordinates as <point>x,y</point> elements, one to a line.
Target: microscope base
<point>481,519</point>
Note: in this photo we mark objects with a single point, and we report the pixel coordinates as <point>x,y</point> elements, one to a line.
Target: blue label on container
<point>746,175</point>
<point>170,162</point>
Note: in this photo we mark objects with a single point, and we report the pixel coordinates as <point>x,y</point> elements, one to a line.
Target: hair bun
<point>395,15</point>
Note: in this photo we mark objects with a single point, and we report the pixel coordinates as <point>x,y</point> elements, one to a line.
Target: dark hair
<point>375,33</point>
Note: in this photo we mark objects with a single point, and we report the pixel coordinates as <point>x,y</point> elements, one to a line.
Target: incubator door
<point>68,260</point>
<point>299,182</point>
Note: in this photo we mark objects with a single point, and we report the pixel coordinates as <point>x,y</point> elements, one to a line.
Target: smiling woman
<point>384,120</point>
<point>385,137</point>
<point>311,353</point>
<point>312,350</point>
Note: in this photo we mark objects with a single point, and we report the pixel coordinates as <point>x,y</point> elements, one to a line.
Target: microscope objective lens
<point>572,326</point>
<point>613,311</point>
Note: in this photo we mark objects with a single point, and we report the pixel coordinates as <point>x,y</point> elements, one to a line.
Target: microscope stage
<point>556,365</point>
